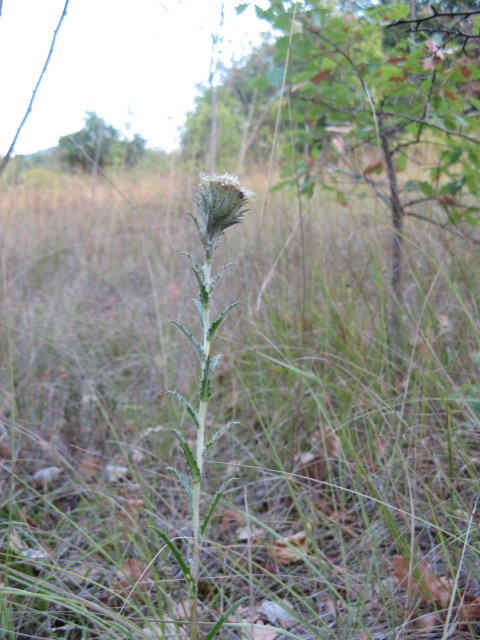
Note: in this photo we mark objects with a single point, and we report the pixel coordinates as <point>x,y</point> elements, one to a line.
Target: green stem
<point>202,413</point>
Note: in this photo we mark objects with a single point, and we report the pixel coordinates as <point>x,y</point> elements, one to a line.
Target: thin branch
<point>435,14</point>
<point>443,225</point>
<point>7,158</point>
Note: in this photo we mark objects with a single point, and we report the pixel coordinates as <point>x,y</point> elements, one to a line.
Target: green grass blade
<point>218,625</point>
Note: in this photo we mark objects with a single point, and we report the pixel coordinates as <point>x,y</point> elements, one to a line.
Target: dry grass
<point>87,352</point>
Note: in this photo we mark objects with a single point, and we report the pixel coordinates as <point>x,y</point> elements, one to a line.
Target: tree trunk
<point>95,166</point>
<point>398,215</point>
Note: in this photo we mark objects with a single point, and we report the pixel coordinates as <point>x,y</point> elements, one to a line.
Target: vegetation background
<point>353,365</point>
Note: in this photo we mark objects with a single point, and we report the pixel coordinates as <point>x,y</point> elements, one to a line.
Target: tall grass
<point>87,352</point>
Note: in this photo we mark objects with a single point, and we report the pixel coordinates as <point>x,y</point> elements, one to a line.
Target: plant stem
<point>202,413</point>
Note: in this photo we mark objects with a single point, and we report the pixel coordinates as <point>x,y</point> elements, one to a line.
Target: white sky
<point>132,62</point>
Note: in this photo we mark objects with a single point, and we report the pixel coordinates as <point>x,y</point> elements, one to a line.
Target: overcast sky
<point>136,64</point>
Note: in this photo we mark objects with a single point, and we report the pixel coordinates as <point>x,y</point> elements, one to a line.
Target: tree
<point>351,90</point>
<point>103,143</point>
<point>244,101</point>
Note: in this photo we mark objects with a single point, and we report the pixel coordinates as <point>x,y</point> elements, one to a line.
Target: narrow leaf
<point>214,326</point>
<point>184,483</point>
<point>202,289</point>
<point>216,279</point>
<point>190,458</point>
<point>199,306</point>
<point>206,382</point>
<point>218,625</point>
<point>215,501</point>
<point>215,437</point>
<point>190,410</point>
<point>187,574</point>
<point>198,349</point>
<point>189,255</point>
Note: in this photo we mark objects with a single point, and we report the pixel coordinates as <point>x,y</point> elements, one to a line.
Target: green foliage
<point>244,91</point>
<point>351,87</point>
<point>114,150</point>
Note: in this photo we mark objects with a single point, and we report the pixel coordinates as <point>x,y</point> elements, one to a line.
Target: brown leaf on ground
<point>5,450</point>
<point>429,621</point>
<point>229,516</point>
<point>256,534</point>
<point>90,467</point>
<point>283,553</point>
<point>328,440</point>
<point>259,634</point>
<point>312,466</point>
<point>428,586</point>
<point>29,520</point>
<point>133,573</point>
<point>469,610</point>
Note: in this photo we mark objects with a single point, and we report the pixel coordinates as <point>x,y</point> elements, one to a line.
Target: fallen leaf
<point>90,467</point>
<point>284,553</point>
<point>229,516</point>
<point>276,611</point>
<point>429,587</point>
<point>167,630</point>
<point>5,450</point>
<point>133,574</point>
<point>428,621</point>
<point>15,543</point>
<point>328,440</point>
<point>312,466</point>
<point>44,476</point>
<point>256,534</point>
<point>258,633</point>
<point>28,519</point>
<point>444,323</point>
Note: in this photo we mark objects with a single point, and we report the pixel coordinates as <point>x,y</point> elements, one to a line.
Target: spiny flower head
<point>221,203</point>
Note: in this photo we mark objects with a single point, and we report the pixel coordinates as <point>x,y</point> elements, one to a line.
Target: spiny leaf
<point>192,259</point>
<point>190,410</point>
<point>184,483</point>
<point>187,574</point>
<point>214,326</point>
<point>195,221</point>
<point>199,306</point>
<point>190,458</point>
<point>198,349</point>
<point>215,437</point>
<point>206,382</point>
<point>215,501</point>
<point>202,288</point>
<point>216,279</point>
<point>218,625</point>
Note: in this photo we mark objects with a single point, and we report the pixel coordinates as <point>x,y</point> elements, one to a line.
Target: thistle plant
<point>221,204</point>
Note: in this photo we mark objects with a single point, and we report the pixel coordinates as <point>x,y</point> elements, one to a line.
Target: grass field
<point>352,515</point>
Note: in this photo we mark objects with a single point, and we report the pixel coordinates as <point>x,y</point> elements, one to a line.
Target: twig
<point>6,159</point>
